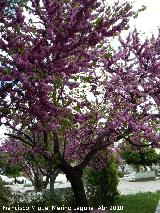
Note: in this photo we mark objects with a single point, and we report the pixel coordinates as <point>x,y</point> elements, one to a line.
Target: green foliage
<point>8,169</point>
<point>137,158</point>
<point>5,194</point>
<point>102,185</point>
<point>143,8</point>
<point>12,171</point>
<point>120,174</point>
<point>69,200</point>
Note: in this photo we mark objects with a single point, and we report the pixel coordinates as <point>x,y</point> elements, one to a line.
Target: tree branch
<point>18,138</point>
<point>101,142</point>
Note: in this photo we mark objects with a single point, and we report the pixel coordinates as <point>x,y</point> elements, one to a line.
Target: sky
<point>147,23</point>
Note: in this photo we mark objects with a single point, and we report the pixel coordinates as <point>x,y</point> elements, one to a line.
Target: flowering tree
<point>18,157</point>
<point>6,169</point>
<point>51,60</point>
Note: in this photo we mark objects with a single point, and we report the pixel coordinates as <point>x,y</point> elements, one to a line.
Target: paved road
<point>125,187</point>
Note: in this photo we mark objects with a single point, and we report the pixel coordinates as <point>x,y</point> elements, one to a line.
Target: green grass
<point>139,203</point>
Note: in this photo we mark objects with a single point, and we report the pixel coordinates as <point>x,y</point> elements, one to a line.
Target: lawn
<point>139,203</point>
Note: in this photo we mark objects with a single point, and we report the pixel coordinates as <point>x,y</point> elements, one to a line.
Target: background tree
<point>17,159</point>
<point>8,170</point>
<point>137,158</point>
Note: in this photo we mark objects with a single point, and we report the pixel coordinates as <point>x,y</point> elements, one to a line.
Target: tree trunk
<point>52,181</point>
<point>38,182</point>
<point>145,168</point>
<point>45,183</point>
<point>75,178</point>
<point>15,180</point>
<point>52,176</point>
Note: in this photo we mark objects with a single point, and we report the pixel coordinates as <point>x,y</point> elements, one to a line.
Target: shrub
<point>5,194</point>
<point>120,174</point>
<point>36,202</point>
<point>69,200</point>
<point>33,201</point>
<point>102,185</point>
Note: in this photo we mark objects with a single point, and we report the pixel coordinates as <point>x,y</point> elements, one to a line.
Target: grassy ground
<point>139,203</point>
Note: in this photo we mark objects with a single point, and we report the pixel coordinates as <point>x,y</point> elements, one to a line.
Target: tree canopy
<point>140,157</point>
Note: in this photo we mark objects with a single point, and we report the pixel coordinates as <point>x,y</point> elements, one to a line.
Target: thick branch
<point>18,138</point>
<point>101,142</point>
<point>63,164</point>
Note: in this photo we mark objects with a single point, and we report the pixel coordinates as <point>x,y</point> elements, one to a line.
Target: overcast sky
<point>147,22</point>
